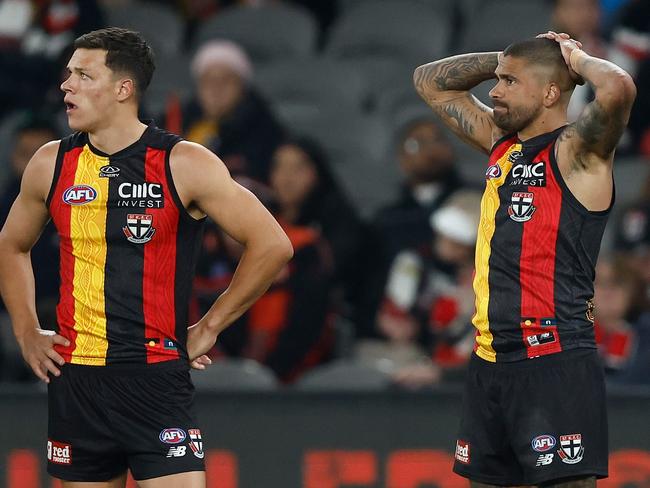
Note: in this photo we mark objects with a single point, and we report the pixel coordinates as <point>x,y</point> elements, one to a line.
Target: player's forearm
<point>611,84</point>
<point>458,73</point>
<point>18,289</point>
<point>258,267</point>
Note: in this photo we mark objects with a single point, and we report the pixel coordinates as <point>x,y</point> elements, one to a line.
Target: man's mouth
<point>69,107</point>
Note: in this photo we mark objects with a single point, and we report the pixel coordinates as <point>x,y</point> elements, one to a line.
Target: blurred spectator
<point>228,115</point>
<point>631,36</point>
<point>639,124</point>
<point>428,301</point>
<point>289,327</point>
<point>427,161</point>
<point>308,195</point>
<point>631,51</point>
<point>624,345</point>
<point>31,134</point>
<point>632,241</point>
<point>582,20</point>
<point>34,37</point>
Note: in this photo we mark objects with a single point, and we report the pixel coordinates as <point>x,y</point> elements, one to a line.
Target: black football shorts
<point>533,421</point>
<point>105,420</point>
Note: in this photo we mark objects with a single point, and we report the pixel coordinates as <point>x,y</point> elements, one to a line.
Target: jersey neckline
<point>128,150</point>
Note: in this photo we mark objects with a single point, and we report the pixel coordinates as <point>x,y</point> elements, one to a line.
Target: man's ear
<point>125,89</point>
<point>552,94</point>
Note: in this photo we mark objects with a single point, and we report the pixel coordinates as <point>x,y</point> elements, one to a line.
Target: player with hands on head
<point>534,405</point>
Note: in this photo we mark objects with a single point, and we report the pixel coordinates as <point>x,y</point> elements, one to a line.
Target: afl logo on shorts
<point>493,171</point>
<point>109,171</point>
<point>172,436</point>
<point>79,195</point>
<point>543,443</point>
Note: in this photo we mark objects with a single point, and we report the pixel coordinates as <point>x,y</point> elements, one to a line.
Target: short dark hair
<point>126,52</point>
<point>543,52</point>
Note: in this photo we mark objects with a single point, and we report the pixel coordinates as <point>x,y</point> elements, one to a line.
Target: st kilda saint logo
<point>138,228</point>
<point>571,449</point>
<point>196,444</point>
<point>521,208</point>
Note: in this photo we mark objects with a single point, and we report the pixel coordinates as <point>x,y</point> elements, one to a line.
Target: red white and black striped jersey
<point>128,250</point>
<point>536,253</point>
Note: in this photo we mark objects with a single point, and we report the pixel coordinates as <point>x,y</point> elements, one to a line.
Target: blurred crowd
<point>312,109</point>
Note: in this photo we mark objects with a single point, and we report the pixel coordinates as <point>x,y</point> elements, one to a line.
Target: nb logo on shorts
<point>178,451</point>
<point>544,460</point>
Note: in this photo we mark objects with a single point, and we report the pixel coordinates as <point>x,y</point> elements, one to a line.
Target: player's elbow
<point>628,87</point>
<point>281,249</point>
<point>419,76</point>
<point>620,90</point>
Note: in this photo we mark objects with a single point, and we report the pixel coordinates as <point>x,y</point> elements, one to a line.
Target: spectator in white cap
<point>227,114</point>
<point>424,319</point>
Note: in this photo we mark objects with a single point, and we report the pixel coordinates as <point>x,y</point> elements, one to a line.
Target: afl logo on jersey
<point>79,195</point>
<point>109,171</point>
<point>493,171</point>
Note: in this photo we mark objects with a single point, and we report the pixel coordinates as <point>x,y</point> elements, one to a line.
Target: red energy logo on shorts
<point>462,451</point>
<point>58,452</point>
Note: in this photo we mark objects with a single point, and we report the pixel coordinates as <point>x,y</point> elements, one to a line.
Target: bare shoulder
<point>197,173</point>
<point>193,161</point>
<point>38,175</point>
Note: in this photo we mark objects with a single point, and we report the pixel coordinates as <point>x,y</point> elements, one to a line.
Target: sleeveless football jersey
<point>128,249</point>
<point>536,253</point>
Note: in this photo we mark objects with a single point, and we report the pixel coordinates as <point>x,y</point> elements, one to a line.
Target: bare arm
<point>205,183</point>
<point>445,85</point>
<point>24,225</point>
<point>592,139</point>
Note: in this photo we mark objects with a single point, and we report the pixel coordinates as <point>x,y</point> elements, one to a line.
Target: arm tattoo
<point>460,72</point>
<point>597,130</point>
<point>603,121</point>
<point>456,114</point>
<point>600,128</point>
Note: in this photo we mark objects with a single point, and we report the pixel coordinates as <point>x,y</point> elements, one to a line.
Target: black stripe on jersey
<point>579,237</point>
<point>504,309</point>
<point>124,270</point>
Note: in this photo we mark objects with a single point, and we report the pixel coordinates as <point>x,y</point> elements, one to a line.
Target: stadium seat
<point>383,73</point>
<point>159,24</point>
<point>344,375</point>
<point>370,183</point>
<point>408,32</point>
<point>493,24</point>
<point>266,33</point>
<point>310,84</point>
<point>444,7</point>
<point>235,375</point>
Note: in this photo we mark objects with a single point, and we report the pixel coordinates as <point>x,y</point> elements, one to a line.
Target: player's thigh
<point>118,482</point>
<point>191,479</point>
<point>586,482</point>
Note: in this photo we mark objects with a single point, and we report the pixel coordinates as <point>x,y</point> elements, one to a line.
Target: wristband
<point>571,57</point>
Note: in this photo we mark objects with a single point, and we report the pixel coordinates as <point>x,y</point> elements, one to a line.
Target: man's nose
<point>65,86</point>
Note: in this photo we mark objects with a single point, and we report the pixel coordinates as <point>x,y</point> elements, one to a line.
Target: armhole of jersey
<point>60,156</point>
<point>500,141</point>
<point>172,187</point>
<point>569,194</point>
